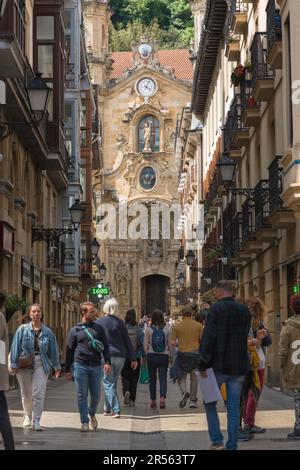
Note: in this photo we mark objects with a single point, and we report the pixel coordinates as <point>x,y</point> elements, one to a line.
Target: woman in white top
<point>158,349</point>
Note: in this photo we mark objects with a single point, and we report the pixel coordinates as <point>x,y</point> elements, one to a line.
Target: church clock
<point>146,87</point>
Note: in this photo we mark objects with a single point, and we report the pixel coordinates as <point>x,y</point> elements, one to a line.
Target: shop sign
<point>26,273</point>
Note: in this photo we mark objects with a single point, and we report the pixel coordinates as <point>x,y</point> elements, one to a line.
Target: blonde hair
<point>111,307</point>
<point>258,311</point>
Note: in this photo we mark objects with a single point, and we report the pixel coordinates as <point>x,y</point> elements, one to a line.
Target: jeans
<point>87,379</point>
<point>297,408</point>
<point>130,378</point>
<point>158,362</point>
<point>193,385</point>
<point>233,391</point>
<point>33,384</point>
<point>5,426</point>
<point>110,382</point>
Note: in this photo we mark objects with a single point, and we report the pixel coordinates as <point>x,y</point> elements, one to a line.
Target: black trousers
<point>5,426</point>
<point>130,378</point>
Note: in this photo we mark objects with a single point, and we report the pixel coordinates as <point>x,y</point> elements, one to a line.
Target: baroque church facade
<point>142,93</point>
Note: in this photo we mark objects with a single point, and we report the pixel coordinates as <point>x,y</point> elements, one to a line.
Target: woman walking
<point>120,348</point>
<point>259,337</point>
<point>34,352</point>
<point>157,346</point>
<point>130,376</point>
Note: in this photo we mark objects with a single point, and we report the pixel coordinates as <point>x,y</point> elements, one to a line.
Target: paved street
<point>142,428</point>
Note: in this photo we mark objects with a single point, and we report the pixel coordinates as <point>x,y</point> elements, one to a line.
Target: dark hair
<point>227,286</point>
<point>199,317</point>
<point>2,298</point>
<point>130,317</point>
<point>295,304</point>
<point>29,310</point>
<point>157,318</point>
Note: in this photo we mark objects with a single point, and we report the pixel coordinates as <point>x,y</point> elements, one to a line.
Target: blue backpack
<point>158,339</point>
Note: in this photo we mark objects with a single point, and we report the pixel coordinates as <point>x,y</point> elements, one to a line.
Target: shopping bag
<point>144,374</point>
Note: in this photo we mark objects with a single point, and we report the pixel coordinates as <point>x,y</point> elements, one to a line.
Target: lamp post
<point>48,234</point>
<point>38,96</point>
<point>95,245</point>
<point>102,270</point>
<point>227,168</point>
<point>2,7</point>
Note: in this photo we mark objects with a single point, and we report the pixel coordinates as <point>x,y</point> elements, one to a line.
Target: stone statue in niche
<point>122,276</point>
<point>147,136</point>
<point>155,248</point>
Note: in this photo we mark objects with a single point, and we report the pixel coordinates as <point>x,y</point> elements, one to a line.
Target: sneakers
<point>84,427</point>
<point>94,423</point>
<point>193,404</point>
<point>107,413</point>
<point>185,398</point>
<point>162,403</point>
<point>217,447</point>
<point>116,415</point>
<point>126,398</point>
<point>153,404</point>
<point>27,422</point>
<point>244,436</point>
<point>254,429</point>
<point>37,427</point>
<point>294,434</point>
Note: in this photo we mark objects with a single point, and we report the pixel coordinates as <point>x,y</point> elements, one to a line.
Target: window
<point>45,28</point>
<point>45,61</point>
<point>152,143</point>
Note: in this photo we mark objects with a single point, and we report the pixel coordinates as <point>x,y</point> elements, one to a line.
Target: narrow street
<point>140,428</point>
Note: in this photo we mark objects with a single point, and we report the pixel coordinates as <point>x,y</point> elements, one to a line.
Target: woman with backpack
<point>130,376</point>
<point>158,348</point>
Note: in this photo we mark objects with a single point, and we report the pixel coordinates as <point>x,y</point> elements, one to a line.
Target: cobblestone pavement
<point>140,427</point>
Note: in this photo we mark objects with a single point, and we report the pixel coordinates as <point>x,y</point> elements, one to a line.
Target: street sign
<point>98,292</point>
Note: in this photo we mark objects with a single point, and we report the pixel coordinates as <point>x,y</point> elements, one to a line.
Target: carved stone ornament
<point>122,278</point>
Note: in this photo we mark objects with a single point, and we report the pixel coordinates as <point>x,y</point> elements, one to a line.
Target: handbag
<point>95,343</point>
<point>25,362</point>
<point>144,374</point>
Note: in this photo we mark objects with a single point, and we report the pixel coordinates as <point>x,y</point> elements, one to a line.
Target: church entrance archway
<point>155,293</point>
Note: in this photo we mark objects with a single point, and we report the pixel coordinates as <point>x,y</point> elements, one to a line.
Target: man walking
<point>188,334</point>
<point>224,348</point>
<point>5,426</point>
<point>87,343</point>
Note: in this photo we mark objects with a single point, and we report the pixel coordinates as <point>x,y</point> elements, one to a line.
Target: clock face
<point>146,87</point>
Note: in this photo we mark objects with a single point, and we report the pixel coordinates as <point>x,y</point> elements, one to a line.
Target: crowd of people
<point>230,337</point>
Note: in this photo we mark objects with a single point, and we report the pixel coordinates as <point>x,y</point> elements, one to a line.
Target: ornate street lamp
<point>102,270</point>
<point>190,258</point>
<point>2,7</point>
<point>38,96</point>
<point>77,211</point>
<point>95,245</point>
<point>227,168</point>
<point>181,279</point>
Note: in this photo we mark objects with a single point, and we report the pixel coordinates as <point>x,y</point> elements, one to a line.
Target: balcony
<point>250,107</point>
<point>70,77</point>
<point>274,36</point>
<point>12,40</point>
<point>233,50</point>
<point>239,9</point>
<point>55,259</point>
<point>279,216</point>
<point>261,203</point>
<point>262,75</point>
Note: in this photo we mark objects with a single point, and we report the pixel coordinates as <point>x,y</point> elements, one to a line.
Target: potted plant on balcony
<point>251,102</point>
<point>237,75</point>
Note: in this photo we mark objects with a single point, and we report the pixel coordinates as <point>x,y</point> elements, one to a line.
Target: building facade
<point>141,94</point>
<point>245,94</point>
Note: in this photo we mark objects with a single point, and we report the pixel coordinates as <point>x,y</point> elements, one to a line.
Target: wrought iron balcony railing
<point>261,203</point>
<point>259,50</point>
<point>56,255</point>
<point>248,220</point>
<point>233,124</point>
<point>275,186</point>
<point>247,100</point>
<point>274,28</point>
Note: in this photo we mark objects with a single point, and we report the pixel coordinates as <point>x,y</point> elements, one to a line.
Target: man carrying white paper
<point>224,349</point>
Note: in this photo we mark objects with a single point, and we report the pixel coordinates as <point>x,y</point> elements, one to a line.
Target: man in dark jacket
<point>224,348</point>
<point>87,363</point>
